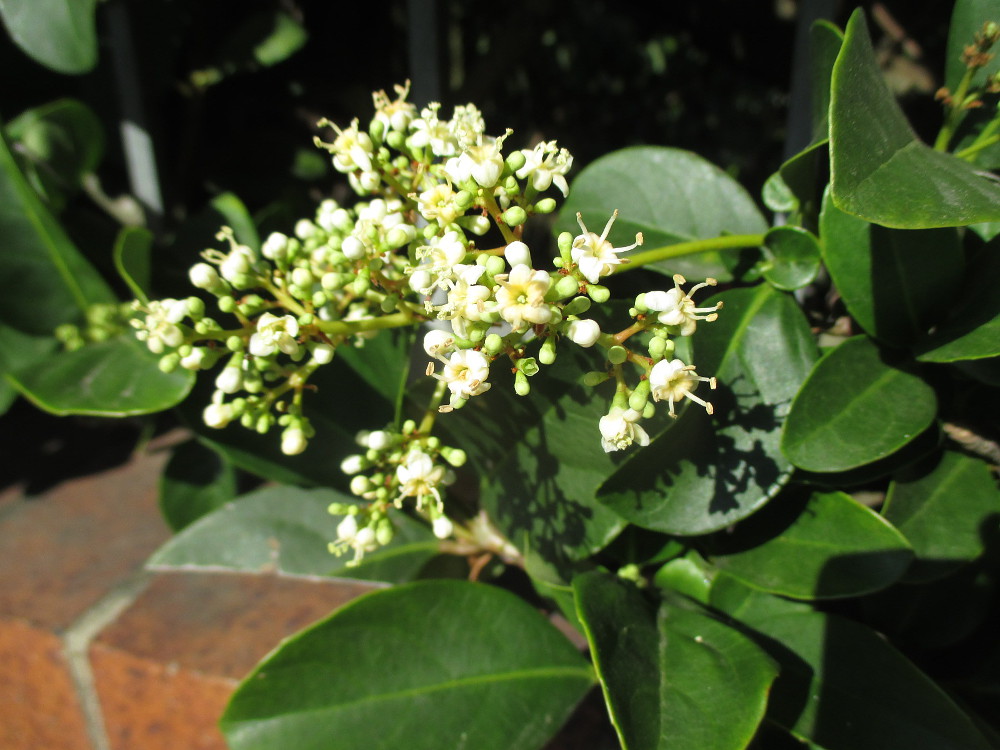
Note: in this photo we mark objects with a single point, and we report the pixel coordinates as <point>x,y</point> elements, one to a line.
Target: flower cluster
<point>436,239</point>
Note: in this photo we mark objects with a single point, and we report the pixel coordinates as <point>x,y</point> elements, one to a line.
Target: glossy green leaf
<point>673,677</point>
<point>114,378</point>
<point>19,350</point>
<point>196,481</point>
<point>688,575</point>
<point>880,171</point>
<point>972,330</point>
<point>947,511</point>
<point>132,259</point>
<point>669,195</point>
<point>777,195</point>
<point>46,280</point>
<point>287,530</point>
<point>60,142</point>
<point>854,409</point>
<point>891,280</point>
<point>238,218</point>
<point>793,257</point>
<point>383,362</point>
<point>414,666</point>
<point>818,547</point>
<point>967,20</point>
<point>59,34</point>
<point>825,42</point>
<point>842,686</point>
<point>704,473</point>
<point>540,459</point>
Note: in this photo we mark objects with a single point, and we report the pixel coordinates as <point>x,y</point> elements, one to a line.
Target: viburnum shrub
<point>751,463</point>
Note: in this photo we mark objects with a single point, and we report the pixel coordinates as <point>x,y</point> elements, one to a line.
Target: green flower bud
<point>566,286</point>
<point>648,410</point>
<point>361,284</point>
<point>577,306</point>
<point>547,354</point>
<point>409,426</point>
<point>515,161</point>
<point>514,216</point>
<point>333,281</point>
<point>494,264</point>
<point>640,396</point>
<point>617,354</point>
<point>377,131</point>
<point>657,348</point>
<point>545,206</point>
<point>396,140</point>
<point>169,362</point>
<point>511,186</point>
<point>454,456</point>
<point>521,385</point>
<point>493,344</point>
<point>527,365</point>
<point>594,377</point>
<point>565,244</point>
<point>319,299</point>
<point>600,294</point>
<point>384,532</point>
<point>196,307</point>
<point>234,344</point>
<point>227,304</point>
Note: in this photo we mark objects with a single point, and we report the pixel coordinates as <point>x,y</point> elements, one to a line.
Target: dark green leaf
<point>946,511</point>
<point>287,530</point>
<point>893,281</point>
<point>881,172</point>
<point>973,328</point>
<point>669,195</point>
<point>414,666</point>
<point>842,686</point>
<point>824,546</point>
<point>19,350</point>
<point>59,34</point>
<point>703,474</point>
<point>967,20</point>
<point>196,481</point>
<point>131,256</point>
<point>672,677</point>
<point>688,575</point>
<point>540,459</point>
<point>238,218</point>
<point>854,409</point>
<point>794,257</point>
<point>60,142</point>
<point>47,281</point>
<point>825,41</point>
<point>114,378</point>
<point>383,362</point>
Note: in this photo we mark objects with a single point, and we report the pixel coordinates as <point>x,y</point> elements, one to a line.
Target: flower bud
<point>204,276</point>
<point>639,397</point>
<point>514,216</point>
<point>322,354</point>
<point>566,286</point>
<point>303,277</point>
<point>275,246</point>
<point>494,265</point>
<point>437,342</point>
<point>442,527</point>
<point>583,332</point>
<point>594,377</point>
<point>493,344</point>
<point>454,456</point>
<point>293,441</point>
<point>517,253</point>
<point>379,440</point>
<point>477,224</point>
<point>547,352</point>
<point>545,206</point>
<point>515,161</point>
<point>521,385</point>
<point>217,416</point>
<point>353,464</point>
<point>169,362</point>
<point>353,248</point>
<point>600,294</point>
<point>230,379</point>
<point>400,235</point>
<point>359,486</point>
<point>577,306</point>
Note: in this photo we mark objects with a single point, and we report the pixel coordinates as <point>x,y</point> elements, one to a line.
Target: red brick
<point>166,667</point>
<point>66,549</point>
<point>40,707</point>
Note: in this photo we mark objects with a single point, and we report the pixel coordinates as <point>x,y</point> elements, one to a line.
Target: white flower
<point>466,299</point>
<point>237,264</point>
<point>675,308</point>
<point>521,296</point>
<point>217,416</point>
<point>441,255</point>
<point>352,148</point>
<point>160,329</point>
<point>230,379</point>
<point>293,441</point>
<point>438,203</point>
<point>594,254</point>
<point>466,372</point>
<point>583,332</point>
<point>353,464</point>
<point>274,333</point>
<point>546,164</point>
<point>275,246</point>
<point>437,342</point>
<point>419,477</point>
<point>394,114</point>
<point>620,428</point>
<point>204,276</point>
<point>671,381</point>
<point>442,527</point>
<point>481,161</point>
<point>361,540</point>
<point>430,130</point>
<point>379,440</point>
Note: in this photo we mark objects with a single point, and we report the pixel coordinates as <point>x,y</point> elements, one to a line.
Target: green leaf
<point>946,511</point>
<point>881,172</point>
<point>47,281</point>
<point>777,196</point>
<point>669,195</point>
<point>823,546</point>
<point>702,474</point>
<point>972,330</point>
<point>892,280</point>
<point>794,257</point>
<point>383,362</point>
<point>114,378</point>
<point>59,34</point>
<point>414,666</point>
<point>132,259</point>
<point>287,530</point>
<point>19,350</point>
<point>238,218</point>
<point>855,408</point>
<point>672,676</point>
<point>60,142</point>
<point>842,686</point>
<point>541,461</point>
<point>967,20</point>
<point>196,481</point>
<point>825,42</point>
<point>286,38</point>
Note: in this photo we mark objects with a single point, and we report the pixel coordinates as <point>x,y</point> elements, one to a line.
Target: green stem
<point>954,115</point>
<point>427,423</point>
<point>347,328</point>
<point>977,146</point>
<point>728,242</point>
<point>489,202</point>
